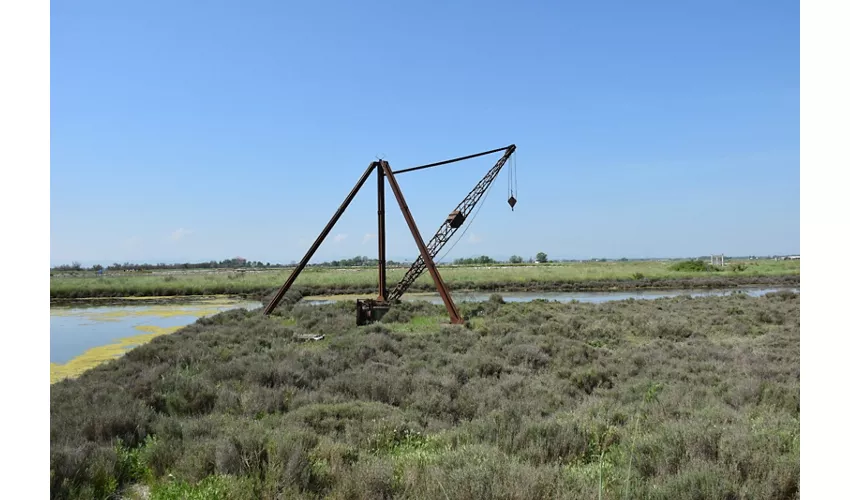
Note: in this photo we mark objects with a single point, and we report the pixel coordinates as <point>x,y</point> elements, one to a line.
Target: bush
<point>589,380</point>
<point>397,315</point>
<point>520,404</point>
<point>692,266</point>
<point>495,298</point>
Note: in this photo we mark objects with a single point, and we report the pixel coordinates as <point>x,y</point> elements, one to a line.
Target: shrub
<point>590,379</point>
<point>692,266</point>
<point>531,400</point>
<point>397,315</point>
<point>496,299</point>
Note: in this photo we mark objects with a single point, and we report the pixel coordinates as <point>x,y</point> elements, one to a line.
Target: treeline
<point>236,262</point>
<point>475,261</point>
<point>359,261</point>
<point>222,264</point>
<point>362,261</point>
<point>515,259</point>
<point>241,263</point>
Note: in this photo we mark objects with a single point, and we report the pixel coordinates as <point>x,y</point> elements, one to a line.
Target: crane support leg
<point>301,265</point>
<point>382,241</point>
<point>454,314</point>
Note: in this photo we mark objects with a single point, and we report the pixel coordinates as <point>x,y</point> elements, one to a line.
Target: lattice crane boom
<point>454,221</point>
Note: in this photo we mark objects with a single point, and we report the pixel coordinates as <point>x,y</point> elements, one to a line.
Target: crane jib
<point>455,220</point>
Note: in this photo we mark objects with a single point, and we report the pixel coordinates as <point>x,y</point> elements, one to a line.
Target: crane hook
<point>512,181</point>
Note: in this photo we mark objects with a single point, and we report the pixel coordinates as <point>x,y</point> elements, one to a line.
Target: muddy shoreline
<point>724,282</point>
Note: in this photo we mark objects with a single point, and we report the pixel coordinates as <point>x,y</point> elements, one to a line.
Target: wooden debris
<point>309,338</point>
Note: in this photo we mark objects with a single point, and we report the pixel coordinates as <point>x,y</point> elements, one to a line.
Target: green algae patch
<point>206,308</point>
<point>155,299</point>
<point>101,354</point>
<point>157,312</point>
<point>153,331</point>
<point>205,298</point>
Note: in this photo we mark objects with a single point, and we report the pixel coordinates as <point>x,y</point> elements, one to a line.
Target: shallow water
<point>591,297</point>
<point>74,330</point>
<point>85,335</point>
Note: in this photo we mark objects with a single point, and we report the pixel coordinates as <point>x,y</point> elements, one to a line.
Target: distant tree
<point>97,267</point>
<point>76,266</point>
<point>484,259</point>
<point>515,259</point>
<point>542,257</point>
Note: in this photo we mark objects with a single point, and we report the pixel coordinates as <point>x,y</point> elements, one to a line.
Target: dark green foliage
<point>398,315</point>
<point>590,379</point>
<point>673,398</point>
<point>469,261</point>
<point>209,488</point>
<point>692,266</point>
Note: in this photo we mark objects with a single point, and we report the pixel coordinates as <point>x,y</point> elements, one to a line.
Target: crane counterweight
<point>455,219</point>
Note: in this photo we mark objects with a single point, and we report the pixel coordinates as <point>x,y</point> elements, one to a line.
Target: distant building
<point>718,260</point>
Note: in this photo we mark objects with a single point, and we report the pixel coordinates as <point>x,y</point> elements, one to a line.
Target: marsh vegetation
<point>500,277</point>
<point>672,398</point>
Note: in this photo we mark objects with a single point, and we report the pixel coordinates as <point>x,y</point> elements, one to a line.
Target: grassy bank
<point>673,398</point>
<point>323,281</point>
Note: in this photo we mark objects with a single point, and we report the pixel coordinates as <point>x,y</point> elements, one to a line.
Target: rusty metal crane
<point>372,309</point>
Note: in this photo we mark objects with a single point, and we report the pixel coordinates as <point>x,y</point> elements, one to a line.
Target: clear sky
<point>197,130</point>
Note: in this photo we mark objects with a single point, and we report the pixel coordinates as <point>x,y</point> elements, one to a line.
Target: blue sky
<point>189,131</point>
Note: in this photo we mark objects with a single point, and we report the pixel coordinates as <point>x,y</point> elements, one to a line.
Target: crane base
<point>370,310</point>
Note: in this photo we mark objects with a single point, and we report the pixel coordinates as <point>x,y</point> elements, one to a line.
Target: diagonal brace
<point>454,314</point>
